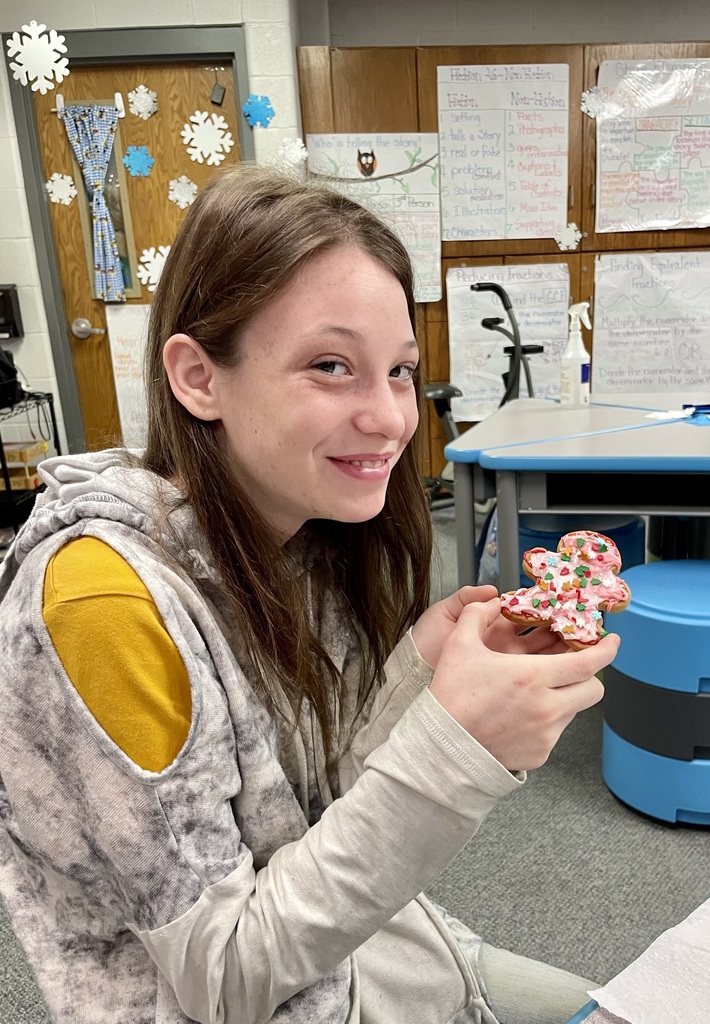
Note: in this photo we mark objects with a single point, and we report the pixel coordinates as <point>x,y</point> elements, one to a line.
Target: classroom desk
<point>608,457</point>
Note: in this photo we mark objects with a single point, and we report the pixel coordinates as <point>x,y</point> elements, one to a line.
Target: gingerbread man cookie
<point>573,585</point>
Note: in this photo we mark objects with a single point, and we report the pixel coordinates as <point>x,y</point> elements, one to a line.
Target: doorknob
<point>81,328</point>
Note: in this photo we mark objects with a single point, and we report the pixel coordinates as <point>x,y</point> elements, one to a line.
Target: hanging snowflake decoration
<point>142,102</point>
<point>207,138</point>
<point>38,57</point>
<point>138,161</point>
<point>182,191</point>
<point>151,265</point>
<point>569,237</point>
<point>593,101</point>
<point>258,111</point>
<point>61,189</point>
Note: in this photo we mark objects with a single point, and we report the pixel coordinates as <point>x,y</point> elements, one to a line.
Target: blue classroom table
<point>607,458</point>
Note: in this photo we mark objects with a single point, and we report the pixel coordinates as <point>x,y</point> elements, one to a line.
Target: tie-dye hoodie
<point>244,883</point>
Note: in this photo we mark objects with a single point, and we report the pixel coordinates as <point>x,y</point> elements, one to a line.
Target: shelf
<point>31,400</point>
<point>15,506</point>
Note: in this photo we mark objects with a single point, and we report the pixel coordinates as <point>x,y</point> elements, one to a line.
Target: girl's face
<point>322,402</point>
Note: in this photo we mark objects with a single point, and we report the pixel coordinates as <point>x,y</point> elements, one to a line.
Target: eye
<point>333,367</point>
<point>403,371</point>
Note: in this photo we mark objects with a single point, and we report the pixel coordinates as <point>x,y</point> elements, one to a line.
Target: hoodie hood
<point>106,485</point>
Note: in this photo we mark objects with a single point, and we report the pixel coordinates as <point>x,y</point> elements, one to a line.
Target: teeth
<point>368,464</point>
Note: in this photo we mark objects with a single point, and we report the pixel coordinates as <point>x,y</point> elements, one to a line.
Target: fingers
<point>480,615</point>
<point>456,602</point>
<point>581,696</point>
<point>579,665</point>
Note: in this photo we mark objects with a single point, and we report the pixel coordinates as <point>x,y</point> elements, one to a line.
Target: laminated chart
<point>540,294</point>
<point>397,177</point>
<point>127,333</point>
<point>653,145</point>
<point>651,322</point>
<point>503,143</point>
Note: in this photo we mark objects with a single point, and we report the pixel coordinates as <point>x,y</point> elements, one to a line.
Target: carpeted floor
<point>560,871</point>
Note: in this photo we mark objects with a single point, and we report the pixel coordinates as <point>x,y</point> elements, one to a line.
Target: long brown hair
<point>248,231</point>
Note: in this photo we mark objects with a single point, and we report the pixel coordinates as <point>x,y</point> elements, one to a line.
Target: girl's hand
<point>434,626</point>
<point>515,705</point>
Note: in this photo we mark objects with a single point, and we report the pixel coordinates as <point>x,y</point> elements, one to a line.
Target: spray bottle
<point>574,365</point>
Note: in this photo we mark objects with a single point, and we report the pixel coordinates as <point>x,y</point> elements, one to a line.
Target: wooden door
<point>150,218</point>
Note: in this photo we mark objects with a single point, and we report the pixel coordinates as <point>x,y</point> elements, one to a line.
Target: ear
<point>192,376</point>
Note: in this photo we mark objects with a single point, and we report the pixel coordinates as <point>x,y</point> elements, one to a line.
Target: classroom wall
<point>271,33</point>
<point>487,22</point>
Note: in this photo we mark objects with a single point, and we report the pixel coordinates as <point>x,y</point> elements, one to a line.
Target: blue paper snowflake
<point>138,161</point>
<point>258,111</point>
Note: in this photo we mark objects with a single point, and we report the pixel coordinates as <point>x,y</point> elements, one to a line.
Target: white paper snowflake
<point>207,138</point>
<point>182,191</point>
<point>61,189</point>
<point>38,57</point>
<point>292,153</point>
<point>594,101</point>
<point>151,265</point>
<point>569,237</point>
<point>142,102</point>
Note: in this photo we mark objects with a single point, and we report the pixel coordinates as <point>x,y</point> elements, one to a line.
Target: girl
<point>235,744</point>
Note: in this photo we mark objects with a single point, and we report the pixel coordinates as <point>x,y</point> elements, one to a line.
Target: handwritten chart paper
<point>397,177</point>
<point>503,142</point>
<point>651,322</point>
<point>127,333</point>
<point>540,297</point>
<point>653,145</point>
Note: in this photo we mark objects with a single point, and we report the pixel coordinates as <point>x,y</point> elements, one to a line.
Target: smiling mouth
<point>366,463</point>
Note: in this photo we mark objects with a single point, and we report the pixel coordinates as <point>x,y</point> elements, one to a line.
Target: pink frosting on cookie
<point>572,587</point>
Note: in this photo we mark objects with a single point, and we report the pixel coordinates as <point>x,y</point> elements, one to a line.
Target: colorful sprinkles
<point>567,595</point>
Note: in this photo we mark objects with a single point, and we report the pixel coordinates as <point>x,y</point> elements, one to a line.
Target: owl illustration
<point>366,162</point>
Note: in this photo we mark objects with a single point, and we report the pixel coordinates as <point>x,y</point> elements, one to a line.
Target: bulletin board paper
<point>127,332</point>
<point>651,322</point>
<point>540,295</point>
<point>653,145</point>
<point>397,177</point>
<point>503,141</point>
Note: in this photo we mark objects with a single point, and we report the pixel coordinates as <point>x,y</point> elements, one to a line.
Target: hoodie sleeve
<point>209,862</point>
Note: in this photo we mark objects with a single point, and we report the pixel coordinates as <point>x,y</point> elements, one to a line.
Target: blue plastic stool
<point>583,1013</point>
<point>656,737</point>
<point>544,531</point>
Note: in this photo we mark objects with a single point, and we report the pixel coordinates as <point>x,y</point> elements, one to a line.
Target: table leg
<point>465,524</point>
<point>508,536</point>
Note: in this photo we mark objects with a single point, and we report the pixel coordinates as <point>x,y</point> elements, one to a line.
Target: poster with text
<point>540,296</point>
<point>397,177</point>
<point>503,144</point>
<point>127,334</point>
<point>651,322</point>
<point>653,145</point>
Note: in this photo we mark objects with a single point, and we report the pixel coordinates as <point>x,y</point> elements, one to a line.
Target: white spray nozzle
<point>579,312</point>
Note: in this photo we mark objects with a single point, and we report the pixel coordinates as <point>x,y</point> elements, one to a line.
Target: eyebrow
<point>348,332</point>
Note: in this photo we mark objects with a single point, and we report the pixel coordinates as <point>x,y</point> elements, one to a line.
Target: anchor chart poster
<point>651,322</point>
<point>504,148</point>
<point>653,145</point>
<point>397,177</point>
<point>540,294</point>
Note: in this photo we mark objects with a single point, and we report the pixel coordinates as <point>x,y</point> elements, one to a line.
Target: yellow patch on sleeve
<point>117,652</point>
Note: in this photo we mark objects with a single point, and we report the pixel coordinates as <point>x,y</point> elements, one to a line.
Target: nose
<point>380,410</point>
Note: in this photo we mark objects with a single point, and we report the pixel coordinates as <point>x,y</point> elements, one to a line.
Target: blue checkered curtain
<point>91,130</point>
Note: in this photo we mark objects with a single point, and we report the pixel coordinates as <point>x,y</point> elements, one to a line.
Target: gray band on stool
<point>664,721</point>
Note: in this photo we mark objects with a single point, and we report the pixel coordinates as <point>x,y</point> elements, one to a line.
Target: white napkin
<point>670,981</point>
